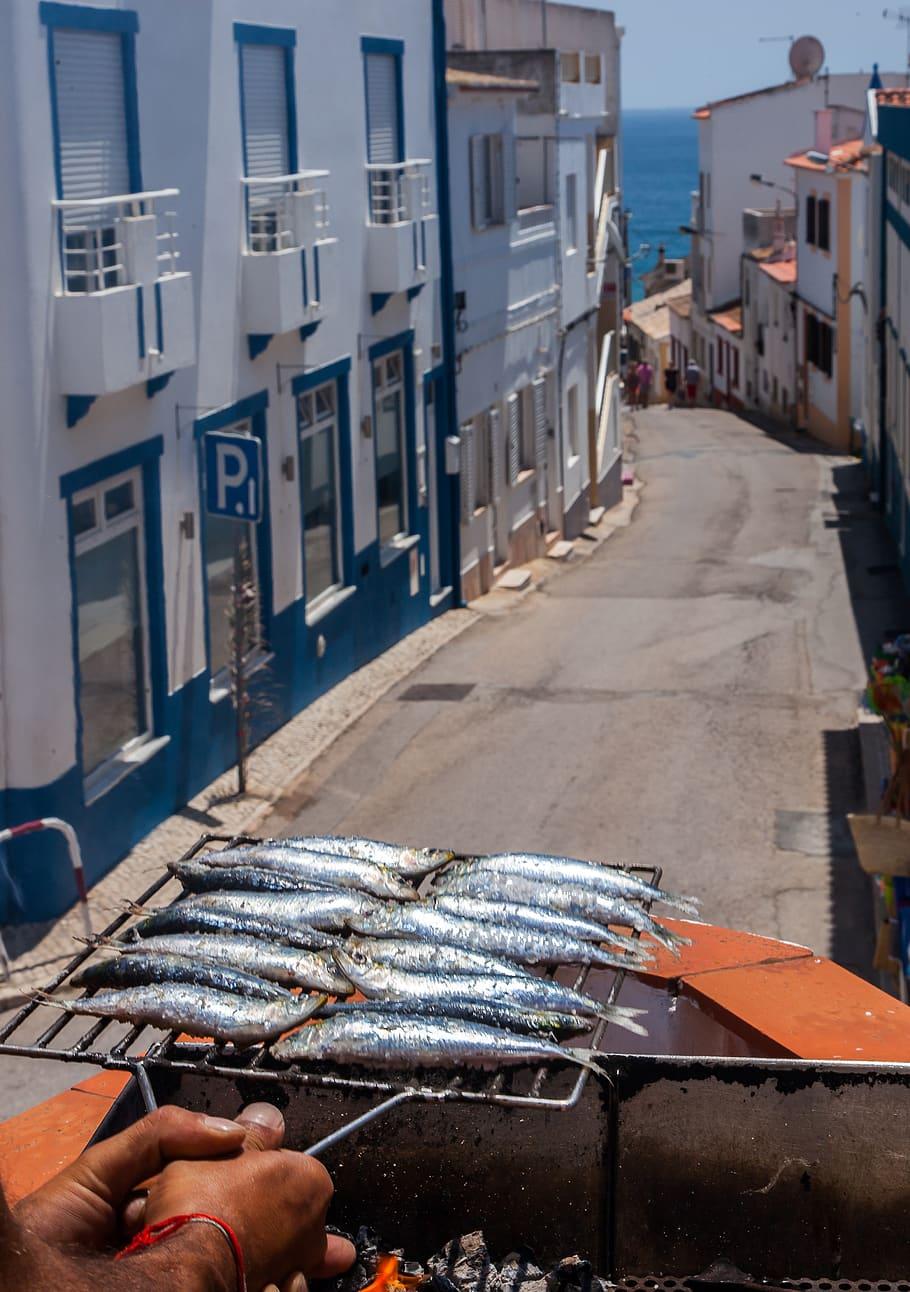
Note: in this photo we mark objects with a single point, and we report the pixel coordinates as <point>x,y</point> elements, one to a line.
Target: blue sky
<point>679,53</point>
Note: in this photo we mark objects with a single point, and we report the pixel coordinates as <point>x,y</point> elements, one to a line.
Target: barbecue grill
<point>654,1173</point>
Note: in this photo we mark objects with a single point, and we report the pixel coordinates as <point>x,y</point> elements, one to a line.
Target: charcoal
<point>465,1262</point>
<point>518,1272</point>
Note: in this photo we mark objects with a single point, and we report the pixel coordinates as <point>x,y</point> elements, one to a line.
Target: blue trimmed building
<point>228,336</point>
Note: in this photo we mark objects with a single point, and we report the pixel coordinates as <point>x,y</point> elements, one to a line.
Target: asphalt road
<point>687,697</point>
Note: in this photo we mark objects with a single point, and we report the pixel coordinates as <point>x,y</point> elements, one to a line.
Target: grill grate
<point>40,1031</point>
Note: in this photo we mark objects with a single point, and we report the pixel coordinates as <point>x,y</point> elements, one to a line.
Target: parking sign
<point>233,476</point>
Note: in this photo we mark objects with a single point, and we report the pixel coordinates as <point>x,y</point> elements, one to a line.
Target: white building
<point>194,243</point>
<point>539,268</point>
<point>770,339</point>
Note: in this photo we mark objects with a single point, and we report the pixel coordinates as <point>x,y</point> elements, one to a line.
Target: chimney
<point>824,131</point>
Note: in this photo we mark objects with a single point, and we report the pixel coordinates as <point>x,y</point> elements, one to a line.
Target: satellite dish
<point>807,57</point>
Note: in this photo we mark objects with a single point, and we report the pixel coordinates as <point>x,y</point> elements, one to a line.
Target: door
<point>444,502</point>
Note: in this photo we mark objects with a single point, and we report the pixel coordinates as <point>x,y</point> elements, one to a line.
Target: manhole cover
<point>451,692</point>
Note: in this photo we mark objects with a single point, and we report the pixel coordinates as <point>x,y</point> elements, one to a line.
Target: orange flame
<point>389,1278</point>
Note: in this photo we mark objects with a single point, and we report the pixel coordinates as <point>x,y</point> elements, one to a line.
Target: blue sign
<point>233,476</point>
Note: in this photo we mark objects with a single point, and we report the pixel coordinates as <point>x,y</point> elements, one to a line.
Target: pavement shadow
<point>851,897</point>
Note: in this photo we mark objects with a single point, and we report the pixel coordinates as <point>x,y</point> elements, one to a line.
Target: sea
<point>660,170</point>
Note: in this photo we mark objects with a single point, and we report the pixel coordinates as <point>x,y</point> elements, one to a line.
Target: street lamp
<point>769,183</point>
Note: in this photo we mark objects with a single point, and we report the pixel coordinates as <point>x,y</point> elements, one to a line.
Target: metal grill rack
<point>39,1031</point>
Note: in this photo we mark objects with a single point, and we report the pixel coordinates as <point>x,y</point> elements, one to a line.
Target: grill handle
<point>402,1097</point>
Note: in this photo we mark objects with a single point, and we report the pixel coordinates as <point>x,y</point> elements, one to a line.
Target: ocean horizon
<point>660,171</point>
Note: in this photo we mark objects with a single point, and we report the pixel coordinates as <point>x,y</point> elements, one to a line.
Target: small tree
<point>246,639</point>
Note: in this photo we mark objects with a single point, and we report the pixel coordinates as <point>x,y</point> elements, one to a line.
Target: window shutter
<point>496,205</point>
<point>91,111</point>
<point>265,110</point>
<point>509,178</point>
<point>497,457</point>
<point>382,108</point>
<point>540,432</point>
<point>468,472</point>
<point>479,181</point>
<point>513,447</point>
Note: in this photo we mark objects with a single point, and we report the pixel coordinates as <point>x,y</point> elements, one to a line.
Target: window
<point>112,633</point>
<point>389,396</point>
<point>320,505</point>
<point>572,415</point>
<point>776,394</point>
<point>535,174</point>
<point>819,344</point>
<point>906,174</point>
<point>894,175</point>
<point>720,358</point>
<point>487,181</point>
<point>268,120</point>
<point>824,224</point>
<point>483,491</point>
<point>811,220</point>
<point>571,213</point>
<point>734,353</point>
<point>383,89</point>
<point>230,550</point>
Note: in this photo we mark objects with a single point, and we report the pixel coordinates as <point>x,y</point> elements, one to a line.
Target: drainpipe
<point>447,285</point>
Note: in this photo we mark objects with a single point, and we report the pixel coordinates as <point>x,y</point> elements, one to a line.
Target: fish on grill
<point>202,877</point>
<point>410,863</point>
<point>537,917</point>
<point>146,967</point>
<point>408,953</point>
<point>523,944</point>
<point>574,899</point>
<point>290,966</point>
<point>199,1011</point>
<point>191,917</point>
<point>403,1041</point>
<point>382,982</point>
<point>311,868</point>
<point>492,1013</point>
<point>328,909</point>
<point>603,879</point>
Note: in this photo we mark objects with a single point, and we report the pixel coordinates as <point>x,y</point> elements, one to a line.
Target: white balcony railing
<point>536,217</point>
<point>115,241</point>
<point>399,192</point>
<point>284,212</point>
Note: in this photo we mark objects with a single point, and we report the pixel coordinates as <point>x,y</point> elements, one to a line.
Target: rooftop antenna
<point>902,18</point>
<point>807,57</point>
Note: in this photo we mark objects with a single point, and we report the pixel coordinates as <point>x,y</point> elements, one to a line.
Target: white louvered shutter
<point>382,107</point>
<point>91,114</point>
<point>468,472</point>
<point>479,181</point>
<point>497,457</point>
<point>514,439</point>
<point>265,110</point>
<point>496,179</point>
<point>540,434</point>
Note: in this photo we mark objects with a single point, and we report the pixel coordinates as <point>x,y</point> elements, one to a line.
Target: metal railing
<point>91,233</point>
<point>273,220</point>
<point>399,191</point>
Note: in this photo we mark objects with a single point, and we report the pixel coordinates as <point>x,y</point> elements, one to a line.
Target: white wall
<point>817,268</point>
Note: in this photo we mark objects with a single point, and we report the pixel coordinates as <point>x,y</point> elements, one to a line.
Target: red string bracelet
<point>163,1229</point>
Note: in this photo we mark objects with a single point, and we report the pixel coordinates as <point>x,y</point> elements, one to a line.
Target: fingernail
<point>272,1287</point>
<point>220,1125</point>
<point>297,1284</point>
<point>266,1115</point>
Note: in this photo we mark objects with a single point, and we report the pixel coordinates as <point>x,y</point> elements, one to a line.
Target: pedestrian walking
<point>671,383</point>
<point>645,378</point>
<point>693,377</point>
<point>632,384</point>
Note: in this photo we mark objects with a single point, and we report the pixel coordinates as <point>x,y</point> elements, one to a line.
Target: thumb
<point>340,1255</point>
<point>264,1126</point>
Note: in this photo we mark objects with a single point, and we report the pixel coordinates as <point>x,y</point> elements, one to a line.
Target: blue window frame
<point>323,412</point>
<point>394,437</point>
<point>268,127</point>
<point>118,613</point>
<point>221,539</point>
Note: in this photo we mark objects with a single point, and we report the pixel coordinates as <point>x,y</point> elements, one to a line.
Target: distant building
<point>770,340</point>
<point>649,331</point>
<point>666,273</point>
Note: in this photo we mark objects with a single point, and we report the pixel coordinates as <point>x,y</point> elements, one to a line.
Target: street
<point>686,698</point>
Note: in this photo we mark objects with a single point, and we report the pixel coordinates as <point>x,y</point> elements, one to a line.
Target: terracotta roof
<point>782,271</point>
<point>704,113</point>
<point>652,315</point>
<point>731,319</point>
<point>894,98</point>
<point>465,80</point>
<point>849,155</point>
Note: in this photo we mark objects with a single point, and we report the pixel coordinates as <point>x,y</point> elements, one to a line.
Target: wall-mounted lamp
<point>288,467</point>
<point>366,427</point>
<point>188,525</point>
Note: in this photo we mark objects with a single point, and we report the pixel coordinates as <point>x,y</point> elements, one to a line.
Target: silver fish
<point>475,908</point>
<point>602,878</point>
<point>492,1014</point>
<point>190,917</point>
<point>196,1010</point>
<point>202,877</point>
<point>314,868</point>
<point>523,944</point>
<point>400,1041</point>
<point>409,953</point>
<point>574,899</point>
<point>382,982</point>
<point>291,966</point>
<point>326,910</point>
<point>146,967</point>
<point>410,863</point>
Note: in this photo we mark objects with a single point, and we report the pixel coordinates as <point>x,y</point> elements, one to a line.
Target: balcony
<point>403,239</point>
<point>582,89</point>
<point>124,312</point>
<point>289,258</point>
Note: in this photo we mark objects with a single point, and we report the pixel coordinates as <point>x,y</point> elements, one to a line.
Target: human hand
<point>275,1201</point>
<point>82,1205</point>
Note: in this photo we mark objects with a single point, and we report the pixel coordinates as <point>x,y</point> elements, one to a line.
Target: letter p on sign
<point>233,476</point>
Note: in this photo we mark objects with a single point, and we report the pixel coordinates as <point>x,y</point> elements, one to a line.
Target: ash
<point>466,1265</point>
